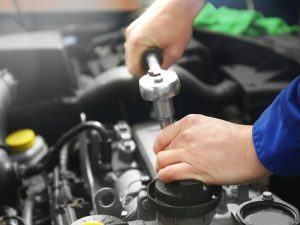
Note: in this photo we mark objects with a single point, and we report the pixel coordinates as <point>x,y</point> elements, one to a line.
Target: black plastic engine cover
<point>40,64</point>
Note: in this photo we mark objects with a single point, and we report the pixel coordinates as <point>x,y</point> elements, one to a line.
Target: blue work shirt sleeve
<point>276,134</point>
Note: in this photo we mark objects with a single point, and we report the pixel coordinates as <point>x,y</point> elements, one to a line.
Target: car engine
<point>76,137</point>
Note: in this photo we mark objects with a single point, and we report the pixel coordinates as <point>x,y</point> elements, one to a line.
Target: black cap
<point>184,198</point>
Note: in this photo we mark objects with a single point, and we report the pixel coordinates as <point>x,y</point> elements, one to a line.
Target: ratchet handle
<point>152,58</point>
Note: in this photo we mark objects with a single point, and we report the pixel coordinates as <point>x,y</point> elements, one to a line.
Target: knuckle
<point>187,135</point>
<point>160,160</point>
<point>191,119</point>
<point>138,38</point>
<point>128,30</point>
<point>159,140</point>
<point>132,38</point>
<point>175,53</point>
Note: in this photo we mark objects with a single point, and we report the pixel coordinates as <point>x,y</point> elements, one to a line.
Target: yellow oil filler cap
<point>21,140</point>
<point>93,223</point>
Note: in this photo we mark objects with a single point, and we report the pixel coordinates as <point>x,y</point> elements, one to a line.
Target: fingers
<point>181,129</point>
<point>134,47</point>
<point>179,171</point>
<point>165,137</point>
<point>133,52</point>
<point>174,165</point>
<point>168,157</point>
<point>171,55</point>
<point>138,40</point>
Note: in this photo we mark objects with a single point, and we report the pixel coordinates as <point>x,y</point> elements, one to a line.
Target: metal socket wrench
<point>159,86</point>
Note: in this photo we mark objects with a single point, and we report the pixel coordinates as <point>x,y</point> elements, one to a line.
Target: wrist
<point>181,10</point>
<point>189,8</point>
<point>258,169</point>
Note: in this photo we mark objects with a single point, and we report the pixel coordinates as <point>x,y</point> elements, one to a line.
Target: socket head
<point>159,85</point>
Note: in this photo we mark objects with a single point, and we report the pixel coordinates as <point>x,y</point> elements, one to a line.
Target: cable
<point>52,157</point>
<point>4,148</point>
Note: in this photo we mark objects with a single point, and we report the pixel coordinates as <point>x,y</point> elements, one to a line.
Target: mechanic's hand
<point>167,25</point>
<point>207,149</point>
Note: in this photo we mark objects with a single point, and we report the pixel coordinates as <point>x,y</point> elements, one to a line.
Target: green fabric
<point>240,22</point>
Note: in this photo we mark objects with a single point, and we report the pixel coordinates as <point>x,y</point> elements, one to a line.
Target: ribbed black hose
<point>119,84</point>
<point>222,93</point>
<point>63,169</point>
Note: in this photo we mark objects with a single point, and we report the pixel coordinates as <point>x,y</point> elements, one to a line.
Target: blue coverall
<point>276,134</point>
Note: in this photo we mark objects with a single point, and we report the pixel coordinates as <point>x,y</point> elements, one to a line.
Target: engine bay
<point>76,137</point>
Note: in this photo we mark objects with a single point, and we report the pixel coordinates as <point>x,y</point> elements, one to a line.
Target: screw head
<point>268,196</point>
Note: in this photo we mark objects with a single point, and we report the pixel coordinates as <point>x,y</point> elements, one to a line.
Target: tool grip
<point>152,57</point>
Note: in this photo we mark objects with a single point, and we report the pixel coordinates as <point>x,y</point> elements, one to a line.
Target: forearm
<point>184,10</point>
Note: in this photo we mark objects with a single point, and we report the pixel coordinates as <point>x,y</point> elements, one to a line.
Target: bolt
<point>124,213</point>
<point>233,190</point>
<point>158,79</point>
<point>153,73</point>
<point>122,126</point>
<point>268,196</point>
<point>127,145</point>
<point>145,179</point>
<point>145,204</point>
